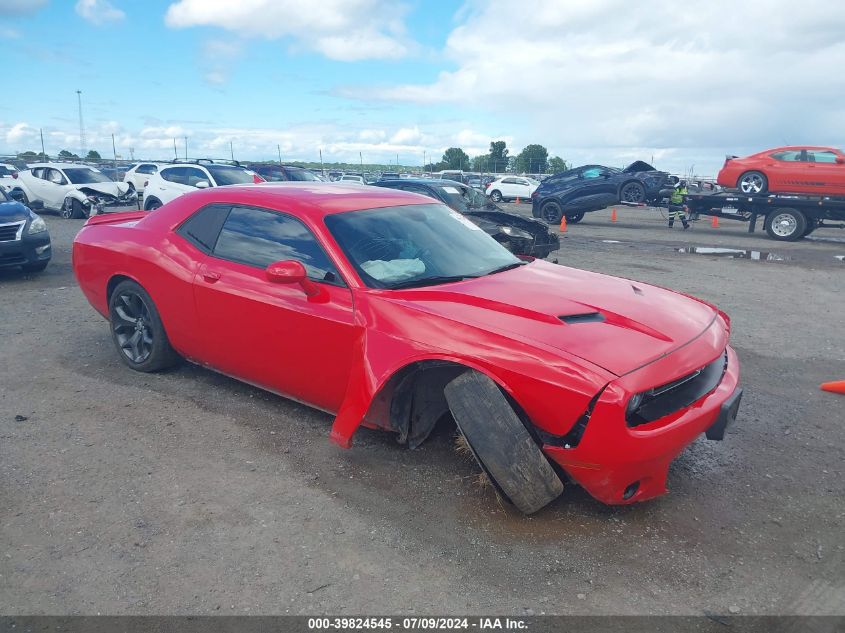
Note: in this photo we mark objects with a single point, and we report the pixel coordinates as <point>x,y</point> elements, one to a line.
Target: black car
<point>283,173</point>
<point>520,235</point>
<point>24,239</point>
<point>592,187</point>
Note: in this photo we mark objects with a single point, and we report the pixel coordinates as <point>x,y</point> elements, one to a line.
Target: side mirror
<point>202,184</point>
<point>291,271</point>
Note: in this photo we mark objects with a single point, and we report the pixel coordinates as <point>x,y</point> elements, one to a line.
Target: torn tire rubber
<point>500,442</point>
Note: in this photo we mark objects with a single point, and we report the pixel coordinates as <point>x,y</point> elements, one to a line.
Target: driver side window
<point>194,175</point>
<point>258,238</point>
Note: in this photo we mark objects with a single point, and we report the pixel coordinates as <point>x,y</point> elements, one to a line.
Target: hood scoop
<point>587,317</point>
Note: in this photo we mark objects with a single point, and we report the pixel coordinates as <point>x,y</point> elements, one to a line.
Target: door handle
<point>210,276</point>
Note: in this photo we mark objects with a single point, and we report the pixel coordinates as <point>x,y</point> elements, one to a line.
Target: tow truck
<point>786,217</point>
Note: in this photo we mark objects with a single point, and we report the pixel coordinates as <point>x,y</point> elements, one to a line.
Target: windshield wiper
<point>502,269</point>
<point>430,281</point>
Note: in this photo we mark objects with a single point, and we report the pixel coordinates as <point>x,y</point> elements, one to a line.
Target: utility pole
<point>43,153</point>
<point>114,150</point>
<point>175,154</point>
<point>361,159</point>
<point>322,169</point>
<point>186,148</point>
<point>423,161</point>
<point>132,154</point>
<point>279,147</point>
<point>82,142</point>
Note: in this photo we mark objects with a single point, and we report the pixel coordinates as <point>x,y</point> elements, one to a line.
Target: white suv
<point>139,174</point>
<point>511,187</point>
<point>172,181</point>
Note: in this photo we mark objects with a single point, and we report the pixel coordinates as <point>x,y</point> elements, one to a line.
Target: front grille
<point>674,396</point>
<point>12,258</point>
<point>11,231</point>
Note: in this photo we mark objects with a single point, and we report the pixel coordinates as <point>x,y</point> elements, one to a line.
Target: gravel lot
<point>188,492</point>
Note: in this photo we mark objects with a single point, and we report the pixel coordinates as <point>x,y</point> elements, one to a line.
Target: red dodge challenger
<point>812,170</point>
<point>390,311</point>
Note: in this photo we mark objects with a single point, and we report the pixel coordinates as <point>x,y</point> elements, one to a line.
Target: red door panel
<point>275,336</point>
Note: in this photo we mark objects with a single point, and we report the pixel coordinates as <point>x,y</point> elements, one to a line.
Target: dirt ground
<point>188,492</point>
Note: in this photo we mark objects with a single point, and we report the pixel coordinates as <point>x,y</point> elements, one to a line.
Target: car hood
<point>617,324</point>
<point>637,166</point>
<point>492,217</point>
<point>13,211</point>
<point>108,188</point>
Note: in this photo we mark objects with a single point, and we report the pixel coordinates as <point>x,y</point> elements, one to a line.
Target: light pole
<point>82,142</point>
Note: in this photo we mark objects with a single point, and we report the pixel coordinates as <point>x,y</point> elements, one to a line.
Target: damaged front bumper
<point>100,203</point>
<point>620,464</point>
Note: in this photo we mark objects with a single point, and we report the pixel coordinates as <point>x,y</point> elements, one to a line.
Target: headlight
<point>37,225</point>
<point>509,230</point>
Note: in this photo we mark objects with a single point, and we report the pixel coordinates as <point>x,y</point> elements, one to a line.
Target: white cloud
<point>701,80</point>
<point>338,142</point>
<point>345,30</point>
<point>99,12</point>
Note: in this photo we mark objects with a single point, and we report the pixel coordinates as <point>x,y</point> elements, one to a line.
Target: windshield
<point>302,175</point>
<point>83,175</point>
<point>416,245</point>
<point>461,197</point>
<point>230,175</point>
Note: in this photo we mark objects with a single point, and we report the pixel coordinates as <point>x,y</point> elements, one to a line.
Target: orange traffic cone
<point>837,386</point>
<point>714,221</point>
<point>517,200</point>
<point>613,214</point>
<point>563,224</point>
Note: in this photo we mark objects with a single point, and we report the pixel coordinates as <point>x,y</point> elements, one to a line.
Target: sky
<point>594,81</point>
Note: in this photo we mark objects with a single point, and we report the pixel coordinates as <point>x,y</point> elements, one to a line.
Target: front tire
<point>500,443</point>
<point>786,225</point>
<point>73,209</point>
<point>496,196</point>
<point>632,192</point>
<point>137,330</point>
<point>753,183</point>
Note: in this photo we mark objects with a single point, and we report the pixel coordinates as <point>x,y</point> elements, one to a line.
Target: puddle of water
<point>735,253</point>
<point>611,241</point>
<point>841,258</point>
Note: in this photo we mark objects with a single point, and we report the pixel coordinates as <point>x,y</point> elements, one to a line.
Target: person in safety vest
<point>676,205</point>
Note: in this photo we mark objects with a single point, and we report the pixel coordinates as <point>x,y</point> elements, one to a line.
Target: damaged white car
<point>75,191</point>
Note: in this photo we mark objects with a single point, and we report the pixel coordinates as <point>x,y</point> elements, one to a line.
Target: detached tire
<point>786,224</point>
<point>137,330</point>
<point>500,442</point>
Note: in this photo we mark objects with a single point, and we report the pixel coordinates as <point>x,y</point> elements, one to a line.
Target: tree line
<point>533,159</point>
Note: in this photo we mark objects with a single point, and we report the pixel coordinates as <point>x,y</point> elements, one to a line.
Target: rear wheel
<point>633,192</point>
<point>496,196</point>
<point>151,204</point>
<point>501,444</point>
<point>575,218</point>
<point>137,330</point>
<point>786,225</point>
<point>551,212</point>
<point>753,183</point>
